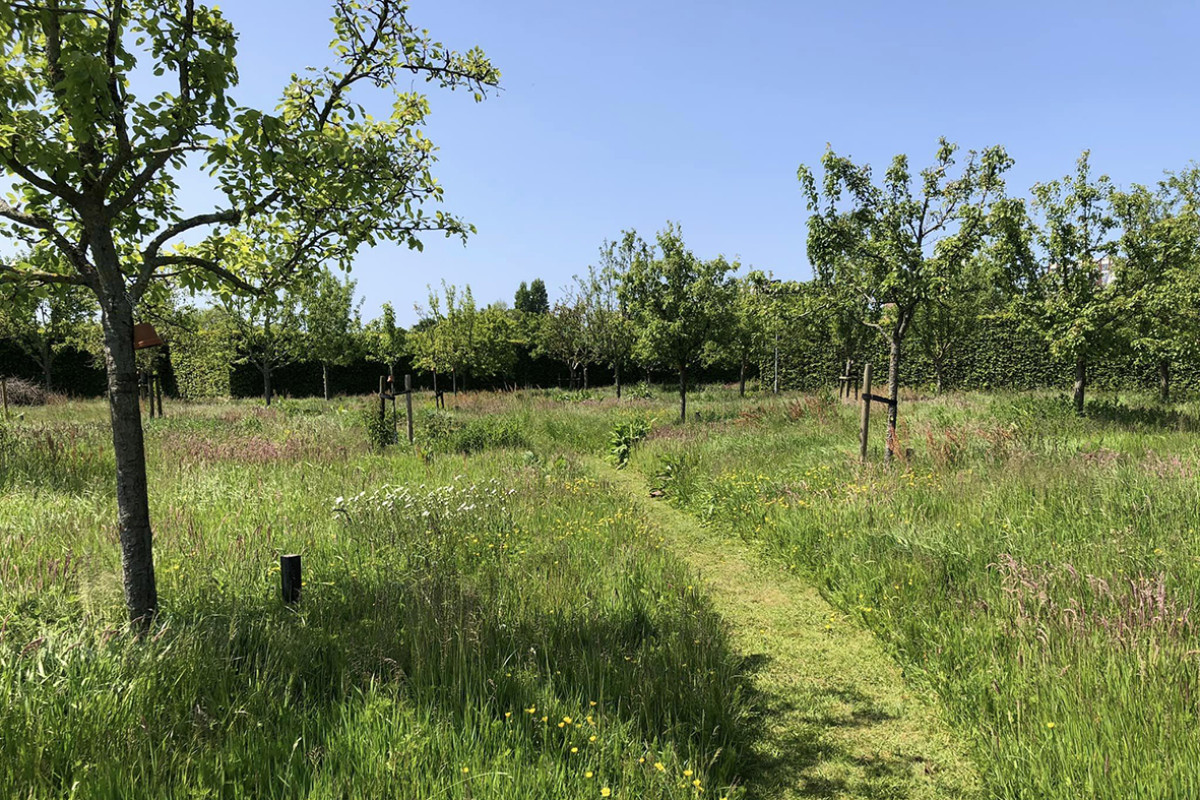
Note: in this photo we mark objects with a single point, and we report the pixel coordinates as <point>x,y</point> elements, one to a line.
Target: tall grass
<point>1039,571</point>
<point>491,625</point>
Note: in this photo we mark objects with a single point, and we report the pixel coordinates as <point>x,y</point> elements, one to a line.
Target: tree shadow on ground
<point>806,760</point>
<point>1159,418</point>
<point>469,651</point>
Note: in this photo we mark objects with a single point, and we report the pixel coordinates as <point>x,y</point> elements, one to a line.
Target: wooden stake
<point>866,413</point>
<point>289,578</point>
<point>382,401</point>
<point>408,405</point>
<point>395,417</point>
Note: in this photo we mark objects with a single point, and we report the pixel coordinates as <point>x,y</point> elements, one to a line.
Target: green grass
<point>1037,571</point>
<point>500,627</point>
<point>1009,611</point>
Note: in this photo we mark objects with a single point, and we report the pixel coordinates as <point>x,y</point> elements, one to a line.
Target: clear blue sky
<point>623,114</point>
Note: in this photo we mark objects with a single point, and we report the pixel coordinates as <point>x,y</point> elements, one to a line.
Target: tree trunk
<point>775,390</point>
<point>133,504</point>
<point>683,394</point>
<point>267,394</point>
<point>1164,380</point>
<point>742,379</point>
<point>454,382</point>
<point>585,377</point>
<point>1080,383</point>
<point>47,363</point>
<point>894,395</point>
<point>617,378</point>
<point>325,379</point>
<point>938,371</point>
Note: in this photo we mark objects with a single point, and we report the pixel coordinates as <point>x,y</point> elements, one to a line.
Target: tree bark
<point>454,382</point>
<point>585,377</point>
<point>742,379</point>
<point>938,371</point>
<point>1080,383</point>
<point>775,389</point>
<point>617,378</point>
<point>894,394</point>
<point>47,360</point>
<point>1164,380</point>
<point>133,504</point>
<point>325,379</point>
<point>683,394</point>
<point>267,392</point>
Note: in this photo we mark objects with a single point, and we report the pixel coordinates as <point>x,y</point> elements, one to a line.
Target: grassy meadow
<point>494,614</point>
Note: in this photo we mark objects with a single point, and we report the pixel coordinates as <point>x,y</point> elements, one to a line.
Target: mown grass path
<point>840,722</point>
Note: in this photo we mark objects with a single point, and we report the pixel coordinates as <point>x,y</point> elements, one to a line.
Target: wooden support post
<point>158,392</point>
<point>408,405</point>
<point>395,417</point>
<point>866,413</point>
<point>4,395</point>
<point>289,578</point>
<point>382,401</point>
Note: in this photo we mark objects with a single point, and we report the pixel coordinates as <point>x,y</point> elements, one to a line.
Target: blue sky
<point>624,114</point>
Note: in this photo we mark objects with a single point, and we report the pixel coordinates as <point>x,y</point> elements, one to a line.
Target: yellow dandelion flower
<point>658,765</point>
<point>574,749</point>
<point>606,792</point>
<point>466,770</point>
<point>588,774</point>
<point>687,773</point>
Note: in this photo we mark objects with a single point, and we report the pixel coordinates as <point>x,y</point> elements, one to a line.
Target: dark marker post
<point>289,578</point>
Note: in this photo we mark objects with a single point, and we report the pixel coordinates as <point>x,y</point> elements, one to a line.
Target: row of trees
<point>107,107</point>
<point>1084,265</point>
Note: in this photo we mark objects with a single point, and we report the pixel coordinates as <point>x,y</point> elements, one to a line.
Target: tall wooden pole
<point>382,401</point>
<point>866,413</point>
<point>408,405</point>
<point>395,418</point>
<point>158,392</point>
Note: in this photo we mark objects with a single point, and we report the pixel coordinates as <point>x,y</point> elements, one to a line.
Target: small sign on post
<point>289,578</point>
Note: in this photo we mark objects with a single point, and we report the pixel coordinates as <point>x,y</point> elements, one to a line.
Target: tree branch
<point>209,265</point>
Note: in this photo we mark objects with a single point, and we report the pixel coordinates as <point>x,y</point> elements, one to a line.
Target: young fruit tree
<point>44,321</point>
<point>265,332</point>
<point>748,334</point>
<point>1067,289</point>
<point>894,246</point>
<point>563,336</point>
<point>1158,254</point>
<point>107,107</point>
<point>609,327</point>
<point>332,322</point>
<point>384,340</point>
<point>679,303</point>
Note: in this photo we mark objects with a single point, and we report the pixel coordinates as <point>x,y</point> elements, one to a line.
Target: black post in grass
<point>289,578</point>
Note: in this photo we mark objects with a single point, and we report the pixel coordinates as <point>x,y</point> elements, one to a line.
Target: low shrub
<point>624,436</point>
<point>380,428</point>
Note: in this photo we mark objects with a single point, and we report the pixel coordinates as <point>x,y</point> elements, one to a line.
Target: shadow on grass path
<point>838,720</point>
